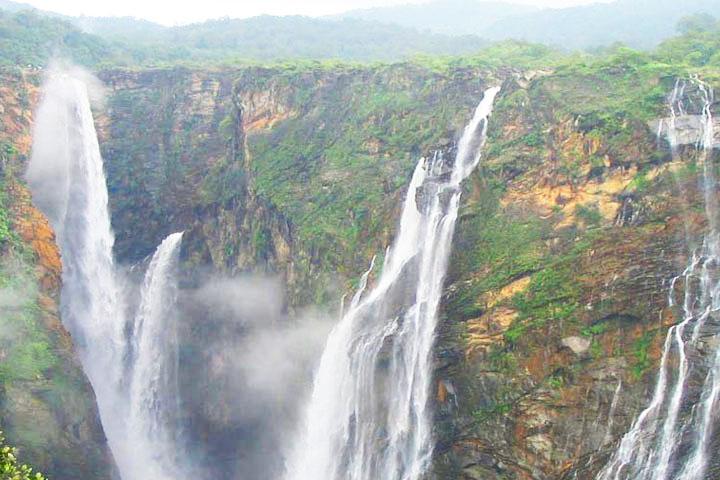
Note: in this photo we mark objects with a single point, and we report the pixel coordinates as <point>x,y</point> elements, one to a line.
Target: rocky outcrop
<point>47,406</point>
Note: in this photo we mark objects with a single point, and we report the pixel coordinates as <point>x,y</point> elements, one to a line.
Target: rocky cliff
<point>556,299</point>
<point>571,229</point>
<point>47,407</point>
<point>290,172</point>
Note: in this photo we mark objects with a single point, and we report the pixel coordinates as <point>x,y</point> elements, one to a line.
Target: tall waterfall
<point>68,183</point>
<point>368,417</point>
<point>154,389</point>
<point>670,439</point>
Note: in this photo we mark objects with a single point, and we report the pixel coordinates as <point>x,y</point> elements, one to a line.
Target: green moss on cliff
<point>338,167</point>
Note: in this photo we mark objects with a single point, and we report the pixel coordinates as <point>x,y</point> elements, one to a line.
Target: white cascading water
<point>153,388</point>
<point>368,417</point>
<point>68,183</point>
<point>678,415</point>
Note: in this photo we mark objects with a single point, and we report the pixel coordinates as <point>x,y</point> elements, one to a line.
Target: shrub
<point>10,469</point>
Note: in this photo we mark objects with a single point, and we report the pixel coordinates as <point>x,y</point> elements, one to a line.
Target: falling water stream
<point>368,417</point>
<point>678,413</point>
<point>68,183</point>
<point>153,388</point>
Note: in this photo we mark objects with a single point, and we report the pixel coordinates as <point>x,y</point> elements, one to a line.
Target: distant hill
<point>273,38</point>
<point>451,17</point>
<point>28,38</point>
<point>31,37</point>
<point>126,28</point>
<point>638,23</point>
<point>14,6</point>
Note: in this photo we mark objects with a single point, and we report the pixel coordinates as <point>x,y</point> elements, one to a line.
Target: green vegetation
<point>336,170</point>
<point>639,23</point>
<point>589,214</point>
<point>10,469</point>
<point>640,183</point>
<point>597,329</point>
<point>8,237</point>
<point>551,296</point>
<point>493,411</point>
<point>30,37</point>
<point>25,341</point>
<point>641,352</point>
<point>5,230</point>
<point>493,247</point>
<point>556,381</point>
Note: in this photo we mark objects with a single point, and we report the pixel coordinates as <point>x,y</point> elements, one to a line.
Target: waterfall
<point>678,413</point>
<point>68,183</point>
<point>368,416</point>
<point>153,388</point>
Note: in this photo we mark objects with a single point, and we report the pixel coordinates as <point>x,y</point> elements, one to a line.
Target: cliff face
<point>556,304</point>
<point>298,172</point>
<point>47,407</point>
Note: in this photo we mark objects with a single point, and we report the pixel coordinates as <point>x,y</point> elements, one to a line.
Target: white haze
<point>183,12</point>
<point>260,358</point>
<point>14,296</point>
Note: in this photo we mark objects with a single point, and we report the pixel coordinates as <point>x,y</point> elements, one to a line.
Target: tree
<point>9,467</point>
<point>698,23</point>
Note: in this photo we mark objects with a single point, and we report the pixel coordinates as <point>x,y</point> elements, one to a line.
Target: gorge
<point>499,266</point>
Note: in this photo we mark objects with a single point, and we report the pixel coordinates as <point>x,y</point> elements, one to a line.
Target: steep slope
<point>304,147</point>
<point>47,407</point>
<point>557,306</point>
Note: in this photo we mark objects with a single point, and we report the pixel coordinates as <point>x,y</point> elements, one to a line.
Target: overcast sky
<point>171,12</point>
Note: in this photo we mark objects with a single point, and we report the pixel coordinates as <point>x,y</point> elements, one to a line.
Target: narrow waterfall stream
<point>68,183</point>
<point>670,438</point>
<point>153,388</point>
<point>368,417</point>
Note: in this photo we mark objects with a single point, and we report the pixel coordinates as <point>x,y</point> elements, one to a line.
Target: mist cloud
<point>250,370</point>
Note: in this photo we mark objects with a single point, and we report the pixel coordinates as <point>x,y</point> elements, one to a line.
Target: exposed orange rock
<point>441,392</point>
<point>546,197</point>
<point>16,105</point>
<point>262,110</point>
<point>35,230</point>
<point>508,291</point>
<point>488,330</point>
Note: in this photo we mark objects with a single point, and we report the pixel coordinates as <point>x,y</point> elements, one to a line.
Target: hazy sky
<point>184,11</point>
